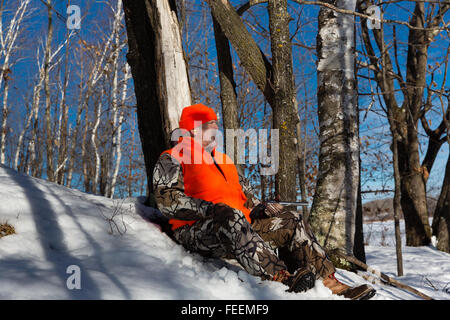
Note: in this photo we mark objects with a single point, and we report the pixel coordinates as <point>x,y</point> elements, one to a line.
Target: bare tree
<point>31,117</point>
<point>159,71</point>
<point>117,127</point>
<point>95,74</point>
<point>227,84</point>
<point>422,30</point>
<point>97,117</point>
<point>441,219</point>
<point>275,82</point>
<point>8,46</point>
<point>48,129</point>
<point>34,162</point>
<point>62,131</point>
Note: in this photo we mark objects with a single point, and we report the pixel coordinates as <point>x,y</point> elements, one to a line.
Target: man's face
<point>208,134</point>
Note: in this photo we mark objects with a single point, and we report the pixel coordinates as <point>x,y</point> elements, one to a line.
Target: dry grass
<point>6,229</point>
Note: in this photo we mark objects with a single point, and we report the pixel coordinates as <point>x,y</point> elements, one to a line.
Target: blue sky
<point>95,22</point>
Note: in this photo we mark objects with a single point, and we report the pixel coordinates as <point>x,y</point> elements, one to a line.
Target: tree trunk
<point>118,129</point>
<point>104,161</point>
<point>74,144</point>
<point>301,154</point>
<point>31,164</point>
<point>334,206</point>
<point>85,155</point>
<point>95,74</point>
<point>32,113</point>
<point>441,219</point>
<point>250,55</point>
<point>413,194</point>
<point>96,121</point>
<point>278,90</point>
<point>38,167</point>
<point>4,127</point>
<point>62,134</point>
<point>397,206</point>
<point>285,115</point>
<point>115,106</point>
<point>227,87</point>
<point>8,47</point>
<point>358,249</point>
<point>159,71</point>
<point>393,125</point>
<point>414,201</point>
<point>48,124</point>
<point>412,177</point>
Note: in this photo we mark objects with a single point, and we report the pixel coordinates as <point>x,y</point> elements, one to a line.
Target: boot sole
<point>366,294</point>
<point>302,282</point>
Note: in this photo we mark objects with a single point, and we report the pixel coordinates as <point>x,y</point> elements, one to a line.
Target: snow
<point>121,255</point>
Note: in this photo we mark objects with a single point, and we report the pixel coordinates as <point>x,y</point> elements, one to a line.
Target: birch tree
<point>62,131</point>
<point>333,210</point>
<point>115,106</point>
<point>33,114</point>
<point>119,112</point>
<point>33,117</point>
<point>97,112</point>
<point>95,74</point>
<point>48,128</point>
<point>8,39</point>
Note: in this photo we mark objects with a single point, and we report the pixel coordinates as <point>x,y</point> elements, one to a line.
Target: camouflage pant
<point>253,245</point>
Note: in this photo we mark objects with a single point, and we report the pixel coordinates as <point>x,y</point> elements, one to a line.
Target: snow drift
<point>120,255</point>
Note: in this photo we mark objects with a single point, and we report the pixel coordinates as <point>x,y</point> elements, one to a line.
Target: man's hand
<point>258,212</point>
<point>273,209</point>
<point>265,210</point>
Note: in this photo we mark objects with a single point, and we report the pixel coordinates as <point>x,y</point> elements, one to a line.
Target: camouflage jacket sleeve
<point>168,187</point>
<point>249,192</point>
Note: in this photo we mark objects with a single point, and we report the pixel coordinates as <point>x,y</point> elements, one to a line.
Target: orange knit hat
<point>196,112</point>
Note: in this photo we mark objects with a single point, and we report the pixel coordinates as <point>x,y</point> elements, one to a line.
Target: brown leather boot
<point>362,292</point>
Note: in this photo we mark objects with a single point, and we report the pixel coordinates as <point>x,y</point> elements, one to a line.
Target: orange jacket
<point>204,180</point>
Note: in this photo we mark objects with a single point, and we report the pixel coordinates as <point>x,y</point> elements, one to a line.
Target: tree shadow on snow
<point>95,245</point>
<point>51,239</point>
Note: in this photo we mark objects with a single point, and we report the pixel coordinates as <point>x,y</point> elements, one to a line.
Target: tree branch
<point>434,28</point>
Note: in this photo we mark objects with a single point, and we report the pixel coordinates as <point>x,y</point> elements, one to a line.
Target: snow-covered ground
<point>62,233</point>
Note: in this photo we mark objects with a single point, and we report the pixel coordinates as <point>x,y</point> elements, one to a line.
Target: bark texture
<point>275,81</point>
<point>441,219</point>
<point>227,86</point>
<point>285,115</point>
<point>412,174</point>
<point>335,202</point>
<point>159,71</point>
<point>252,58</point>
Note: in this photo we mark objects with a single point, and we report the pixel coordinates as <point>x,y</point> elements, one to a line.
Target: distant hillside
<point>382,210</point>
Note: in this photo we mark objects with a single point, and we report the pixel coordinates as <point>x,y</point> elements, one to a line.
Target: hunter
<point>212,211</point>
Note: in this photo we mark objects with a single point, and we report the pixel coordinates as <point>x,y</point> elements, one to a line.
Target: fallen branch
<point>383,276</point>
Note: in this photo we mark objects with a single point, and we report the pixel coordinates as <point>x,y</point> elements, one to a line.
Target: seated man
<point>210,214</point>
